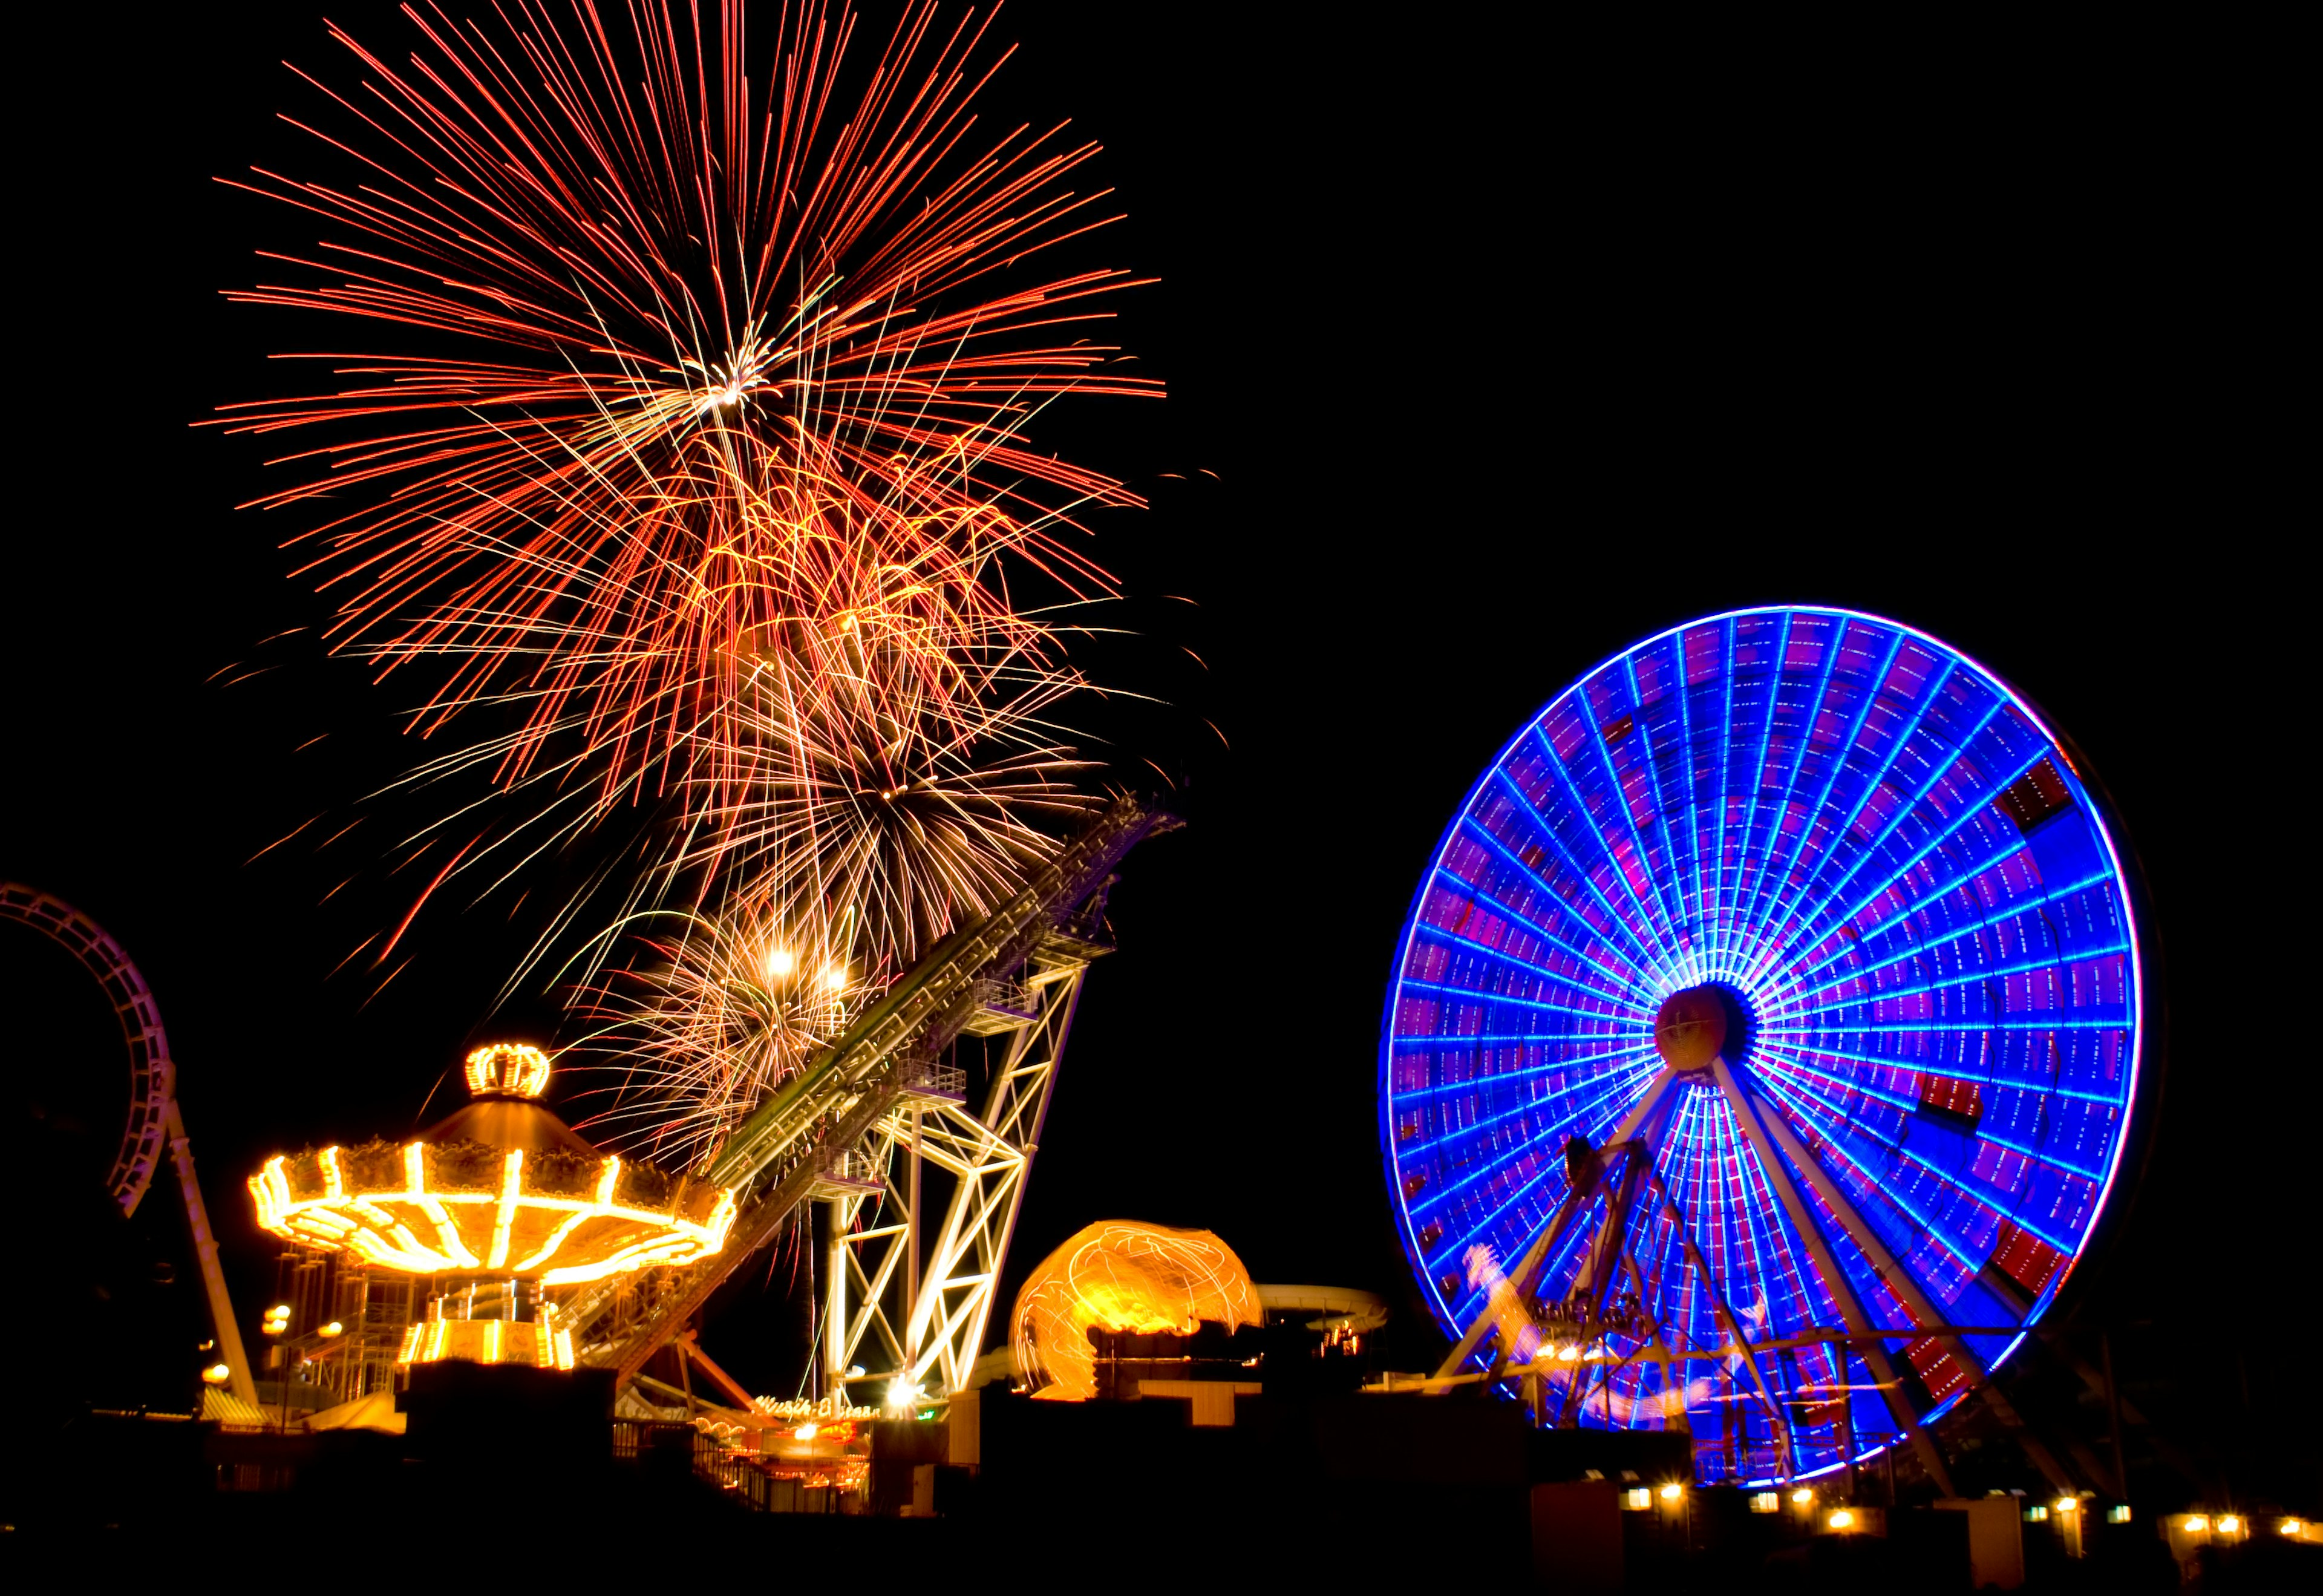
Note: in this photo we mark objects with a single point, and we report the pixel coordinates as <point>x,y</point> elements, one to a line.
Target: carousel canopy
<point>502,1188</point>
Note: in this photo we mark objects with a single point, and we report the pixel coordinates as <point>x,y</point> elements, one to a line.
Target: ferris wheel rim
<point>2120,873</point>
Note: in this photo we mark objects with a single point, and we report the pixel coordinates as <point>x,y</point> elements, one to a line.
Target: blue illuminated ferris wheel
<point>1763,1042</point>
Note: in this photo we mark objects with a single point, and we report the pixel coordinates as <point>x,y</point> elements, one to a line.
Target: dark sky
<point>1506,347</point>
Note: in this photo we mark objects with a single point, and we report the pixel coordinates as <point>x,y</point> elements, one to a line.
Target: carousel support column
<point>840,1211</point>
<point>206,1252</point>
<point>912,1237</point>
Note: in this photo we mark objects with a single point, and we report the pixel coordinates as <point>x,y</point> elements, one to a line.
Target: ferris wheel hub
<point>1692,1027</point>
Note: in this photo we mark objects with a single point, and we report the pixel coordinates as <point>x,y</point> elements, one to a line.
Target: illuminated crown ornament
<point>508,1070</point>
<point>501,1192</point>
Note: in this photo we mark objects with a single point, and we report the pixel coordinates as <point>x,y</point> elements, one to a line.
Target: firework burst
<point>717,1011</point>
<point>693,450</point>
<point>711,457</point>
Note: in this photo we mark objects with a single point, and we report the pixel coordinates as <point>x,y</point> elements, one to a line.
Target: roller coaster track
<point>154,1121</point>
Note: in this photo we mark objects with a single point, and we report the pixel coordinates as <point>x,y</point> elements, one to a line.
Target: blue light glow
<point>1896,867</point>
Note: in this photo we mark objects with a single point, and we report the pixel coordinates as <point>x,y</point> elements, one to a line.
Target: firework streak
<point>696,455</point>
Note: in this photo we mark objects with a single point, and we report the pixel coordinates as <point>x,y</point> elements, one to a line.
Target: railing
<point>849,1165</point>
<point>1086,925</point>
<point>1016,999</point>
<point>932,1079</point>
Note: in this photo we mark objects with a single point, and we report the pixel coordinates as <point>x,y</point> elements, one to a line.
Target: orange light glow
<point>1126,1276</point>
<point>508,1068</point>
<point>486,1341</point>
<point>404,1213</point>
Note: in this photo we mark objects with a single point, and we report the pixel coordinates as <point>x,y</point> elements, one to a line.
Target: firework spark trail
<point>697,454</point>
<point>655,320</point>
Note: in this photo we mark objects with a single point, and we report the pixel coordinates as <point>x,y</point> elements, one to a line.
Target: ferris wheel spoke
<point>1818,924</point>
<point>1769,877</point>
<point>1550,831</point>
<point>1769,914</point>
<point>1977,814</point>
<point>1615,799</point>
<point>2013,909</point>
<point>1647,758</point>
<point>1732,922</point>
<point>1841,824</point>
<point>1455,939</point>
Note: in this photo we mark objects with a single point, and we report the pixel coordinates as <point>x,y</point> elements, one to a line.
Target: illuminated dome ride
<point>494,1204</point>
<point>1763,1042</point>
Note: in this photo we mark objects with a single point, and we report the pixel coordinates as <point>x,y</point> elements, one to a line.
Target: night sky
<point>1506,350</point>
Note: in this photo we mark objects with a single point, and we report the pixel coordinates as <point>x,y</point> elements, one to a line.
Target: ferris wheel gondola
<point>1764,1041</point>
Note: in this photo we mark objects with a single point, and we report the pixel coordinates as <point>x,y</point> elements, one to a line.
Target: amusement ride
<point>1765,1040</point>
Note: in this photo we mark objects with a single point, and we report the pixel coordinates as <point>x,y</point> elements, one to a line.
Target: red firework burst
<point>650,307</point>
<point>705,450</point>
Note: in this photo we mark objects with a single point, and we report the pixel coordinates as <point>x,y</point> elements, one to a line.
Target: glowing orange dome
<point>501,1189</point>
<point>1122,1275</point>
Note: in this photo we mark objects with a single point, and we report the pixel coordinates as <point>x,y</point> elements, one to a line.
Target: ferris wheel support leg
<point>1609,1246</point>
<point>1524,1275</point>
<point>1673,1419</point>
<point>1761,1137</point>
<point>1731,1327</point>
<point>1922,1308</point>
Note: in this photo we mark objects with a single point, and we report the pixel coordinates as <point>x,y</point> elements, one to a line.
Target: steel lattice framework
<point>1898,884</point>
<point>859,1124</point>
<point>930,1331</point>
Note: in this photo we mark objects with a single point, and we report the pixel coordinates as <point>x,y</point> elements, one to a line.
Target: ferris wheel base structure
<point>1765,1043</point>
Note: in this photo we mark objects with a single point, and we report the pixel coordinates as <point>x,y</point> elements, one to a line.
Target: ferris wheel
<point>1763,1044</point>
